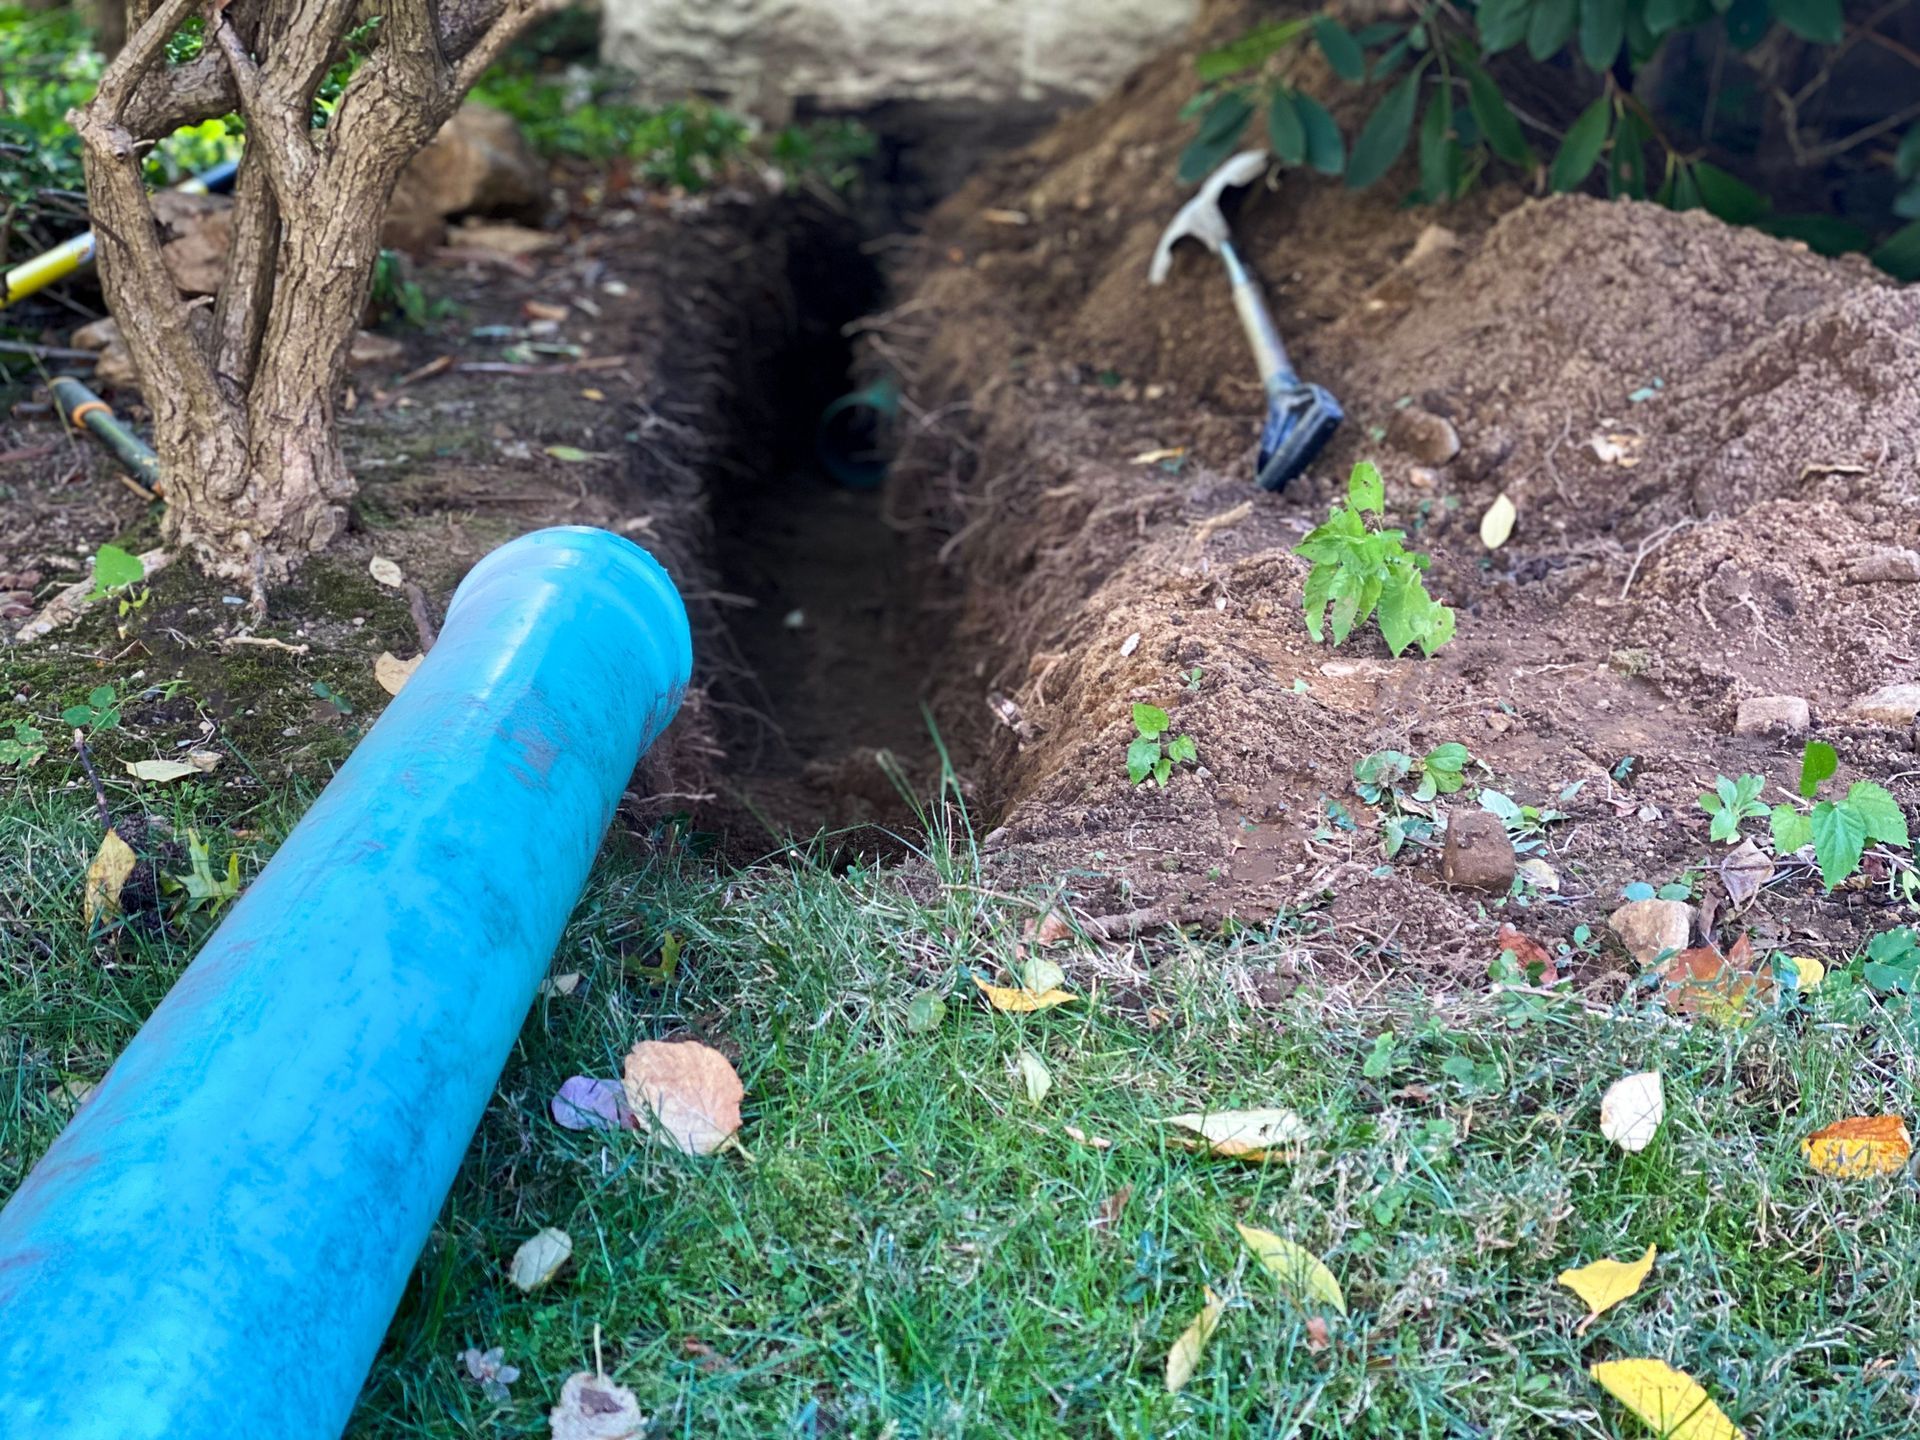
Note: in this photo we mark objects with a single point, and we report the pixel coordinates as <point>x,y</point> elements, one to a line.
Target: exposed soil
<point>1768,402</point>
<point>1771,400</point>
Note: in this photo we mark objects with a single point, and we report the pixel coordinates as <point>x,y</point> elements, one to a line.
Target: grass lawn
<point>918,1250</point>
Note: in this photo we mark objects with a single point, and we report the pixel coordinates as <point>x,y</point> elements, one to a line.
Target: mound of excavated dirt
<point>1712,438</point>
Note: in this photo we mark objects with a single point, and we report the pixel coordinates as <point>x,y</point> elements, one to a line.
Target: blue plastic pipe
<point>216,1244</point>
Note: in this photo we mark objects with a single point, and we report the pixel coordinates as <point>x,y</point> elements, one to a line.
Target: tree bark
<point>243,395</point>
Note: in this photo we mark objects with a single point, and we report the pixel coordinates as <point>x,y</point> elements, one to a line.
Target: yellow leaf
<point>1497,524</point>
<point>1038,1079</point>
<point>1257,1135</point>
<point>1669,1403</point>
<point>539,1259</point>
<point>112,865</point>
<point>1863,1145</point>
<point>1003,997</point>
<point>1807,972</point>
<point>392,672</point>
<point>1632,1109</point>
<point>1185,1354</point>
<point>1301,1273</point>
<point>1605,1283</point>
<point>161,771</point>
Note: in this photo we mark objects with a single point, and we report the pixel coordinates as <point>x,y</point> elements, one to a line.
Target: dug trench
<point>1709,435</point>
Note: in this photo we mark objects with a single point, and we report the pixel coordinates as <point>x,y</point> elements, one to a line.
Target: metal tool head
<point>1301,418</point>
<point>1200,218</point>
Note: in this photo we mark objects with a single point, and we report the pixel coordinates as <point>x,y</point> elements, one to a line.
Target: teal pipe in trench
<point>216,1244</point>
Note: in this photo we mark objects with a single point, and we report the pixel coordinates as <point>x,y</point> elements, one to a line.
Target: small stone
<point>97,336</point>
<point>1650,927</point>
<point>1429,438</point>
<point>1479,856</point>
<point>1889,705</point>
<point>371,349</point>
<point>1772,715</point>
<point>1890,564</point>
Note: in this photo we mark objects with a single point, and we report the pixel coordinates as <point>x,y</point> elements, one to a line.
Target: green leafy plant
<point>327,693</point>
<point>117,575</point>
<point>1526,824</point>
<point>1381,779</point>
<point>395,295</point>
<point>101,711</point>
<point>202,888</point>
<point>1358,570</point>
<point>1381,1058</point>
<point>1892,965</point>
<point>1731,802</point>
<point>1151,755</point>
<point>1838,830</point>
<point>1437,90</point>
<point>24,747</point>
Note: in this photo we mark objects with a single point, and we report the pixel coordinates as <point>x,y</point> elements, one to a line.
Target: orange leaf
<point>1863,1145</point>
<point>1527,952</point>
<point>1702,981</point>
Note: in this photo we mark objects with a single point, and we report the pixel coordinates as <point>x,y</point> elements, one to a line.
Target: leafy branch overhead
<point>1437,87</point>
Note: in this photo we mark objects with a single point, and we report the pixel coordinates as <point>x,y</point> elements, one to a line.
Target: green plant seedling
<point>327,693</point>
<point>1359,571</point>
<point>100,712</point>
<point>1526,824</point>
<point>1838,830</point>
<point>1151,756</point>
<point>1380,1060</point>
<point>1380,780</point>
<point>1731,802</point>
<point>24,747</point>
<point>1893,962</point>
<point>201,888</point>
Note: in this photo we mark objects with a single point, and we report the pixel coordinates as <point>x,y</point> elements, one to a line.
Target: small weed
<point>1150,755</point>
<point>1526,824</point>
<point>326,692</point>
<point>1893,962</point>
<point>1731,802</point>
<point>1358,571</point>
<point>24,747</point>
<point>200,888</point>
<point>396,296</point>
<point>1838,830</point>
<point>1192,677</point>
<point>1380,778</point>
<point>100,712</point>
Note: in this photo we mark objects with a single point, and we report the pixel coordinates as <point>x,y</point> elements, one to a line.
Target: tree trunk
<point>243,394</point>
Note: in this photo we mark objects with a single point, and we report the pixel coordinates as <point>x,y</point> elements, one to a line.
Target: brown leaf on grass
<point>1702,981</point>
<point>1744,871</point>
<point>1527,953</point>
<point>1107,1214</point>
<point>1184,1357</point>
<point>107,876</point>
<point>592,1407</point>
<point>1861,1146</point>
<point>1318,1336</point>
<point>690,1091</point>
<point>1052,929</point>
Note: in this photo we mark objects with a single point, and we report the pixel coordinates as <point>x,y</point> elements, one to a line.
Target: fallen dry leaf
<point>1319,1337</point>
<point>1302,1274</point>
<point>562,985</point>
<point>1002,997</point>
<point>586,1103</point>
<point>107,876</point>
<point>1669,1403</point>
<point>160,772</point>
<point>385,572</point>
<point>1497,524</point>
<point>592,1407</point>
<point>1605,1283</point>
<point>1154,457</point>
<point>1807,972</point>
<point>393,673</point>
<point>1702,981</point>
<point>1744,871</point>
<point>1108,1214</point>
<point>203,760</point>
<point>539,1259</point>
<point>1617,449</point>
<point>1184,1357</point>
<point>1035,1076</point>
<point>1038,974</point>
<point>1632,1109</point>
<point>1538,873</point>
<point>690,1091</point>
<point>1256,1135</point>
<point>1863,1145</point>
<point>1097,1142</point>
<point>1054,927</point>
<point>1527,953</point>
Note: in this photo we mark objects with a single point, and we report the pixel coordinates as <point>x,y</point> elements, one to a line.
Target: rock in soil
<point>1892,564</point>
<point>1649,927</point>
<point>97,336</point>
<point>199,229</point>
<point>1889,705</point>
<point>1428,438</point>
<point>478,164</point>
<point>1479,856</point>
<point>1772,715</point>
